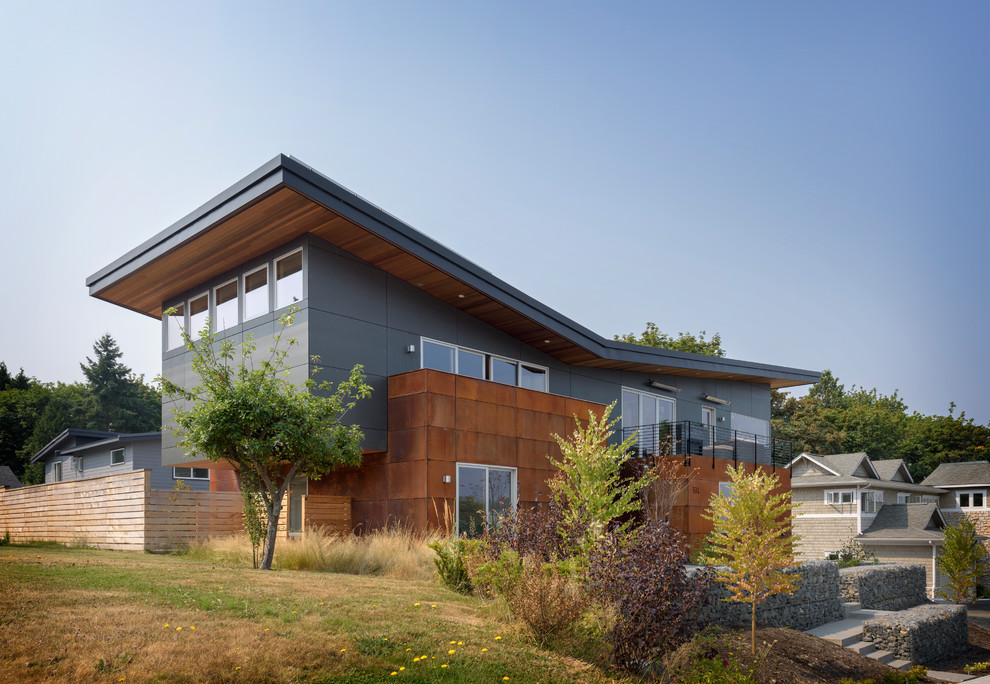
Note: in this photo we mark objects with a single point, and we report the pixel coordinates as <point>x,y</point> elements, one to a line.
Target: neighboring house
<point>471,377</point>
<point>848,497</point>
<point>968,485</point>
<point>83,454</point>
<point>8,479</point>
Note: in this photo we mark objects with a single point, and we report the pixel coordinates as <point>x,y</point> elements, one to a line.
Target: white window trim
<point>641,393</point>
<point>268,286</point>
<point>840,492</point>
<point>971,492</point>
<point>175,476</point>
<point>876,498</point>
<point>274,274</point>
<point>488,357</point>
<point>194,334</point>
<point>514,486</point>
<point>215,322</point>
<point>123,457</point>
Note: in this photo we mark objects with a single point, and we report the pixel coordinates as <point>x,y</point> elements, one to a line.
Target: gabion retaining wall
<point>922,635</point>
<point>884,587</point>
<point>815,602</point>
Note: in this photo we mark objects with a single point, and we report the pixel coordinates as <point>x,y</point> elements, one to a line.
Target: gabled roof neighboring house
<point>8,479</point>
<point>81,454</point>
<point>893,470</point>
<point>969,483</point>
<point>902,523</point>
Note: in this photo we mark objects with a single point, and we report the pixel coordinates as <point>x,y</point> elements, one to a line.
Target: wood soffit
<point>284,214</point>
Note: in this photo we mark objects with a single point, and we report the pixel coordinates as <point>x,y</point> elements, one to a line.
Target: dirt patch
<point>798,658</point>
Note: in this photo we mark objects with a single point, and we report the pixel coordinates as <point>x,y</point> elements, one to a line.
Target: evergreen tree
<point>118,401</point>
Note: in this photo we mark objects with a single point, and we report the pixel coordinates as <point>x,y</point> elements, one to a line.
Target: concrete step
<point>983,679</point>
<point>885,657</point>
<point>950,676</point>
<point>902,665</point>
<point>848,608</point>
<point>843,632</point>
<point>862,647</point>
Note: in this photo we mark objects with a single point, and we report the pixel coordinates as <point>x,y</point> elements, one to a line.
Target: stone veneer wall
<point>922,635</point>
<point>815,602</point>
<point>884,587</point>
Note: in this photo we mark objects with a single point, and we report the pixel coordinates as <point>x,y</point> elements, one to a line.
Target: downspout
<point>934,571</point>
<point>859,512</point>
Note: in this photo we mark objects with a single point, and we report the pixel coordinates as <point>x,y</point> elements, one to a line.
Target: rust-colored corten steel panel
<point>437,420</point>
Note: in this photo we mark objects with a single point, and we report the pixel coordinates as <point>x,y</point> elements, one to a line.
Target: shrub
<point>5,539</point>
<point>641,574</point>
<point>853,554</point>
<point>547,599</point>
<point>699,662</point>
<point>451,566</point>
<point>977,668</point>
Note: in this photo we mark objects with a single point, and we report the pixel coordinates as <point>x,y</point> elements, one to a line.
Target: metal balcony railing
<point>694,440</point>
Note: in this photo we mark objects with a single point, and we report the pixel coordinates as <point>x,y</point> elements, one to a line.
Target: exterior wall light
<point>660,385</point>
<point>715,400</point>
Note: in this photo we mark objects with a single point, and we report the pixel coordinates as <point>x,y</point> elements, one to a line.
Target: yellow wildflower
<point>451,652</point>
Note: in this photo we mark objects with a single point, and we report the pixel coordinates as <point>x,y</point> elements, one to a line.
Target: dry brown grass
<point>71,615</point>
<point>396,552</point>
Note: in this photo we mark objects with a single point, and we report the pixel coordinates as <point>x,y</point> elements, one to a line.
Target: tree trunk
<point>753,632</point>
<point>271,534</point>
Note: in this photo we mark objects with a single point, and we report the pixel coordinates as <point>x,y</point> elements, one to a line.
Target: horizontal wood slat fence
<point>117,512</point>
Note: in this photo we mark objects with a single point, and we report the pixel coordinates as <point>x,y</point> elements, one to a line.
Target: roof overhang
<point>285,199</point>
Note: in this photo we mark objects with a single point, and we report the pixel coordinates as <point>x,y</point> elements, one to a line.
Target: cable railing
<point>697,441</point>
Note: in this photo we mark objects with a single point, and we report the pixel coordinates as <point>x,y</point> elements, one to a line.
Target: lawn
<point>87,615</point>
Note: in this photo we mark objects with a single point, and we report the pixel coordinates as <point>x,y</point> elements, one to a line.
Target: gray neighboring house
<point>8,479</point>
<point>849,497</point>
<point>968,482</point>
<point>83,454</point>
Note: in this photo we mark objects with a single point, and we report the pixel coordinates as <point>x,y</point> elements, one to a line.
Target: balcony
<point>696,441</point>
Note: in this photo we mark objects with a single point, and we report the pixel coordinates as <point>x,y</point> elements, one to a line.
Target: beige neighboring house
<point>848,497</point>
<point>968,485</point>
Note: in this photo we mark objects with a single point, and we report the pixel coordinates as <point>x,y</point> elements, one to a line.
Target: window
<point>871,501</point>
<point>190,473</point>
<point>483,493</point>
<point>225,298</point>
<point>256,293</point>
<point>838,497</point>
<point>174,326</point>
<point>503,371</point>
<point>199,311</point>
<point>475,364</point>
<point>973,498</point>
<point>904,497</point>
<point>533,377</point>
<point>471,364</point>
<point>116,457</point>
<point>641,408</point>
<point>288,279</point>
<point>438,356</point>
<point>57,472</point>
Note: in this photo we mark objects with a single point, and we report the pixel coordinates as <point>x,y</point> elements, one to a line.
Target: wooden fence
<point>117,512</point>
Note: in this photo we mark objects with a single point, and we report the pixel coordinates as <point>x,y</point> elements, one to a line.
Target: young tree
<point>962,561</point>
<point>751,537</point>
<point>592,492</point>
<point>685,342</point>
<point>269,429</point>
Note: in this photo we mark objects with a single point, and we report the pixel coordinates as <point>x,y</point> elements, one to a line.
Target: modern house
<point>848,497</point>
<point>471,377</point>
<point>83,454</point>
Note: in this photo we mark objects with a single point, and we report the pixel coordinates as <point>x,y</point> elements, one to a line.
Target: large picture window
<point>483,493</point>
<point>641,408</point>
<point>199,312</point>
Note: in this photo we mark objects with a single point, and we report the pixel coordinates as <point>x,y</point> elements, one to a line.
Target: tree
<point>685,342</point>
<point>751,537</point>
<point>270,430</point>
<point>119,401</point>
<point>962,561</point>
<point>591,492</point>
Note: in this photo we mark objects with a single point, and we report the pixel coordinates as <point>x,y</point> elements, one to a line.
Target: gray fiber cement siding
<point>354,312</point>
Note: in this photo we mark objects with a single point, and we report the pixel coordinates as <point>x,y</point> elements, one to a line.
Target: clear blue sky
<point>809,180</point>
